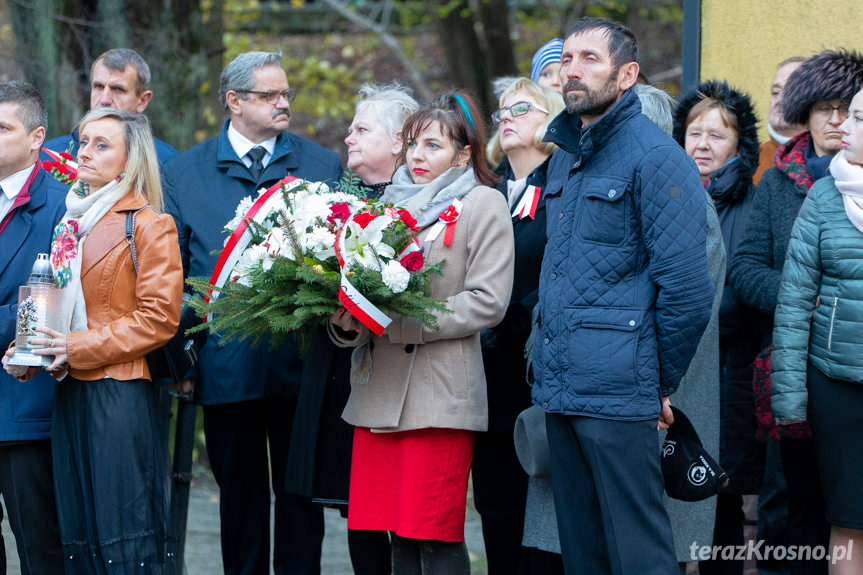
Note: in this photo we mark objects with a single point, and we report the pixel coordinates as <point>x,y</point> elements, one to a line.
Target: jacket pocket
<point>832,324</point>
<point>604,216</point>
<point>601,350</point>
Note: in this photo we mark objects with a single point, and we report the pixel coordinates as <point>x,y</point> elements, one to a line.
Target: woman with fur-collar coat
<point>718,128</point>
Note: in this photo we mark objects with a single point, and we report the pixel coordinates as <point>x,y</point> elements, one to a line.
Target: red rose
<point>364,219</point>
<point>449,215</point>
<point>338,211</point>
<point>408,220</point>
<point>413,262</point>
<point>47,165</point>
<point>66,156</point>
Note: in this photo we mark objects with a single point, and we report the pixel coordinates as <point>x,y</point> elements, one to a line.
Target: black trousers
<point>608,492</point>
<point>807,524</point>
<point>237,436</point>
<point>500,495</point>
<point>27,486</point>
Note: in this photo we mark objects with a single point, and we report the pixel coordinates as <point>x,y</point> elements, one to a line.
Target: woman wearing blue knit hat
<point>545,67</point>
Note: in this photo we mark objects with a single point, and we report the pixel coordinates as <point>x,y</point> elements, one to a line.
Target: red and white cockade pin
<point>447,219</point>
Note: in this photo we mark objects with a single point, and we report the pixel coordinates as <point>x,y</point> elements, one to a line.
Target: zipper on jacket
<point>832,319</point>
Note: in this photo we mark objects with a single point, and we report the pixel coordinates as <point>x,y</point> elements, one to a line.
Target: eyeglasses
<point>517,109</point>
<point>273,96</point>
<point>826,110</point>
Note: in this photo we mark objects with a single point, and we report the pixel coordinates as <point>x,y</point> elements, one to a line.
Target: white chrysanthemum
<point>250,258</point>
<point>317,188</point>
<point>395,276</point>
<point>308,209</point>
<point>320,239</point>
<point>239,213</point>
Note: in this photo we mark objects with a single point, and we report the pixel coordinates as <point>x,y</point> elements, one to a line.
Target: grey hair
<point>239,74</point>
<point>118,59</point>
<point>141,174</point>
<point>31,107</point>
<point>391,103</point>
<point>657,105</point>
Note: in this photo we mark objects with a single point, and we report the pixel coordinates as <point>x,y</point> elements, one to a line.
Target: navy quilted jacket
<point>624,290</point>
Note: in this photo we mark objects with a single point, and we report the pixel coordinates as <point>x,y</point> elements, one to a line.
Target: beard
<point>590,103</point>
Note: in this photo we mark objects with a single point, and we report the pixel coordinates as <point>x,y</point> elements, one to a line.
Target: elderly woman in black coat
<point>320,454</point>
<point>817,96</point>
<point>717,127</point>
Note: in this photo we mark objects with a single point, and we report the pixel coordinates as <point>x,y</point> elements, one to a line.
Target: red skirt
<point>413,483</point>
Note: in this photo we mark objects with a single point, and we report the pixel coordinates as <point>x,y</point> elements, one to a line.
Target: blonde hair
<point>545,97</point>
<point>142,166</point>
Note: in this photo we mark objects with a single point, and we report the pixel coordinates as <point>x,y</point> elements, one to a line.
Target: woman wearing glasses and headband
<point>521,157</point>
<point>817,95</point>
<point>418,396</point>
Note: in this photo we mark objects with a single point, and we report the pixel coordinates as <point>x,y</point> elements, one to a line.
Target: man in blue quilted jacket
<point>624,298</point>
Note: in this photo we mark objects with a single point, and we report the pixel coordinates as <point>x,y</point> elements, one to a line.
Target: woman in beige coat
<point>418,396</point>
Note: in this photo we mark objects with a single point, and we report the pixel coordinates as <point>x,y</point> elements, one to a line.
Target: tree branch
<point>389,41</point>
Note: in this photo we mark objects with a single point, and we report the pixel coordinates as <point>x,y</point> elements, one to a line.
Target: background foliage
<point>330,47</point>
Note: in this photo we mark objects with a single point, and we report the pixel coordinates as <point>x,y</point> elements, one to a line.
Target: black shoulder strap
<point>130,233</point>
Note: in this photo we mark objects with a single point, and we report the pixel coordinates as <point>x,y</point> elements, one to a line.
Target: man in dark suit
<point>119,79</point>
<point>31,204</point>
<point>249,394</point>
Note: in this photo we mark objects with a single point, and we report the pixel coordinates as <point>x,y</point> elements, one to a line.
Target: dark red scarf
<point>22,198</point>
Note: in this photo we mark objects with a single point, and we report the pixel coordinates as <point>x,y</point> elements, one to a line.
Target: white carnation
<point>395,276</point>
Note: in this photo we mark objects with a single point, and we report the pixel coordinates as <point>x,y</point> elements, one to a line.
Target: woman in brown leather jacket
<point>108,458</point>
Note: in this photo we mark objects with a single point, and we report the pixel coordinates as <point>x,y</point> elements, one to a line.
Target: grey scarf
<point>425,202</point>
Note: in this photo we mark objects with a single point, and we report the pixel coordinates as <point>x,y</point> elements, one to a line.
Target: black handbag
<point>170,363</point>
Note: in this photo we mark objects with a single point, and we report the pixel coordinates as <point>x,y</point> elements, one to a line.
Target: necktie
<point>256,154</point>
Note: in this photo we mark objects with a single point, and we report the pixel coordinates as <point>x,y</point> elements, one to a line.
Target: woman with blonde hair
<point>118,305</point>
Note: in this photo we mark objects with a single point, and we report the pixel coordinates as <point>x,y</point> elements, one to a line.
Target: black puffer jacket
<point>739,326</point>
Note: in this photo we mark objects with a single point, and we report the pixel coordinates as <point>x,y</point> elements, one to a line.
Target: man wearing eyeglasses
<point>249,395</point>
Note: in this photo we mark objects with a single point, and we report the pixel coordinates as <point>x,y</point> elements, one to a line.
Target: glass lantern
<point>39,305</point>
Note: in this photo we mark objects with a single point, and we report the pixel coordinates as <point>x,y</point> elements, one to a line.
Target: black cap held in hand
<point>690,473</point>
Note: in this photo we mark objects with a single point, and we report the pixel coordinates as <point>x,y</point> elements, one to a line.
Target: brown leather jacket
<point>128,314</point>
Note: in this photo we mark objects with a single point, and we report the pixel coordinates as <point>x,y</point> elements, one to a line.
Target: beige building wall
<point>742,41</point>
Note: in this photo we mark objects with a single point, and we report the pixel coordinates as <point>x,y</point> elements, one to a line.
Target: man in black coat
<point>249,394</point>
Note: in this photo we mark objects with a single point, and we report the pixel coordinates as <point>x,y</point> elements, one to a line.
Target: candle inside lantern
<point>38,306</point>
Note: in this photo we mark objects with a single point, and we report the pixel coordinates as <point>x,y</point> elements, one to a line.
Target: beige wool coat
<point>422,378</point>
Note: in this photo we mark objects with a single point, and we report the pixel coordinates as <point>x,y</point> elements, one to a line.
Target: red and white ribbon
<point>527,205</point>
<point>240,238</point>
<point>351,298</point>
<point>446,220</point>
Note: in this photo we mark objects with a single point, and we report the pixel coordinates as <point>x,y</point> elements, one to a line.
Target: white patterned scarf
<point>83,211</point>
<point>849,182</point>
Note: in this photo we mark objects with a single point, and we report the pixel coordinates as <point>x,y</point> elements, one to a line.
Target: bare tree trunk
<point>494,16</point>
<point>465,57</point>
